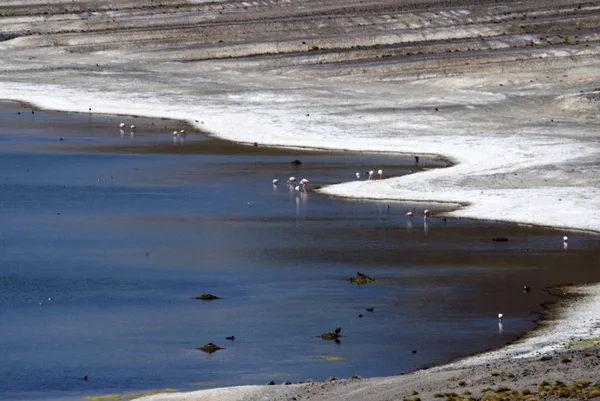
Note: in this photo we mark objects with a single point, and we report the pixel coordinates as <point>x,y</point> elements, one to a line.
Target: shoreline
<point>545,321</point>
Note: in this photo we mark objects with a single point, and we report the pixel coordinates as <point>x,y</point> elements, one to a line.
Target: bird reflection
<point>425,226</point>
<point>500,328</point>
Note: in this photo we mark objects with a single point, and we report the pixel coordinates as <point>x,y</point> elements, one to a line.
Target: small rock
<point>209,348</point>
<point>207,297</point>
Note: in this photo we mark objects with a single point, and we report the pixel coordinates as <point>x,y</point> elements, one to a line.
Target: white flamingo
<point>371,174</point>
<point>122,125</point>
<point>275,181</point>
<point>357,175</point>
<point>380,172</point>
<point>409,214</point>
<point>132,128</point>
<point>291,180</point>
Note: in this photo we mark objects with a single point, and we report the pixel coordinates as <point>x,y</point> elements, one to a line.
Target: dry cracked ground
<point>509,89</point>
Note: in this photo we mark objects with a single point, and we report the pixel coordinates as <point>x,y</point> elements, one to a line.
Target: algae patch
<point>360,278</point>
<point>209,348</point>
<point>330,336</point>
<point>130,396</point>
<point>330,358</point>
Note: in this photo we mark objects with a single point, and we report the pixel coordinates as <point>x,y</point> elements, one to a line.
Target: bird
<point>275,181</point>
<point>416,159</point>
<point>357,175</point>
<point>409,214</point>
<point>565,239</point>
<point>426,213</point>
<point>359,274</point>
<point>182,131</point>
<point>371,174</point>
<point>132,128</point>
<point>380,172</point>
<point>297,188</point>
<point>175,133</point>
<point>500,316</point>
<point>303,182</point>
<point>337,331</point>
<point>370,309</point>
<point>85,377</point>
<point>291,180</point>
<point>360,315</point>
<point>526,288</point>
<point>122,125</point>
<point>230,338</point>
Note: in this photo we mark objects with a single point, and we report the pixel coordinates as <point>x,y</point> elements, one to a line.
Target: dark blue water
<point>105,240</point>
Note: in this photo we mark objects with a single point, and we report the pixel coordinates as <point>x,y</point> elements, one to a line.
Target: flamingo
<point>371,174</point>
<point>175,133</point>
<point>565,239</point>
<point>380,172</point>
<point>182,131</point>
<point>357,175</point>
<point>275,181</point>
<point>297,188</point>
<point>291,180</point>
<point>409,214</point>
<point>303,182</point>
<point>500,316</point>
<point>426,213</point>
<point>122,125</point>
<point>132,128</point>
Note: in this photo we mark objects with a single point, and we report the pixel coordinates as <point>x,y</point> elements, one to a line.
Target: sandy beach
<point>508,91</point>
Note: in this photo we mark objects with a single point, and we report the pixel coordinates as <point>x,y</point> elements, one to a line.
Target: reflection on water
<point>102,251</point>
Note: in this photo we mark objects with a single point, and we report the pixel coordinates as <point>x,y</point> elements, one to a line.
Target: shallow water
<point>106,238</point>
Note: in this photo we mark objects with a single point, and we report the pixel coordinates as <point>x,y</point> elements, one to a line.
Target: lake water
<point>107,237</point>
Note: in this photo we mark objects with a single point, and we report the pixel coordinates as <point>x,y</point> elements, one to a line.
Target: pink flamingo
<point>380,172</point>
<point>132,128</point>
<point>303,182</point>
<point>409,214</point>
<point>371,174</point>
<point>291,180</point>
<point>275,181</point>
<point>426,213</point>
<point>357,175</point>
<point>122,125</point>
